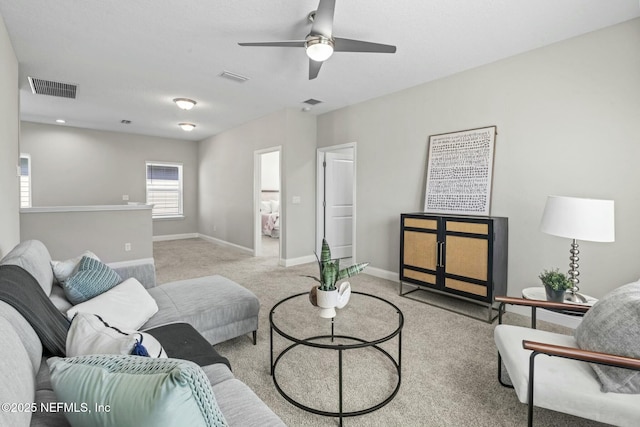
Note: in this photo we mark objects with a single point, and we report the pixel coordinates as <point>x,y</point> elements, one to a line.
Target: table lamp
<point>578,219</point>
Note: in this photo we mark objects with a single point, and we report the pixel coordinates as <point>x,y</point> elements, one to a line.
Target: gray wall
<point>226,180</point>
<point>568,118</point>
<point>103,232</point>
<point>9,137</point>
<point>72,166</point>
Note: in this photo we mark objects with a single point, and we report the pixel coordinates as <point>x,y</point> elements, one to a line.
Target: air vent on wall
<point>312,101</point>
<point>51,88</point>
<point>233,76</point>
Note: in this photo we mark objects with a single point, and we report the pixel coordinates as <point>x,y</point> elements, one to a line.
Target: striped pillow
<point>138,391</point>
<point>90,280</point>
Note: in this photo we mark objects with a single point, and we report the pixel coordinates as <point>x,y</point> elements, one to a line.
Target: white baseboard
<point>130,263</point>
<point>382,274</point>
<point>297,261</point>
<point>224,243</point>
<point>175,237</point>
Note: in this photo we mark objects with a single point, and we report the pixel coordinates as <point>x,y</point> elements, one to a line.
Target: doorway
<point>267,203</point>
<point>336,184</point>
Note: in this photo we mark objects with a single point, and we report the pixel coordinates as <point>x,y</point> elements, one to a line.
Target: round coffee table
<point>356,336</point>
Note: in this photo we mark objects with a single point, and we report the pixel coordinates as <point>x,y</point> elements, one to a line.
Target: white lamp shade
<point>581,219</point>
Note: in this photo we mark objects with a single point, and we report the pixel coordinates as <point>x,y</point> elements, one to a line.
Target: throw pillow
<point>265,207</point>
<point>275,206</point>
<point>91,279</point>
<point>89,334</point>
<point>612,326</point>
<point>127,305</point>
<point>139,391</point>
<point>63,269</point>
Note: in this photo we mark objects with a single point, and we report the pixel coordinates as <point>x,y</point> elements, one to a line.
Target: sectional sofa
<point>216,307</point>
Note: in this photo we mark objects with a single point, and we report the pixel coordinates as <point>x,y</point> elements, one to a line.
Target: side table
<point>538,293</point>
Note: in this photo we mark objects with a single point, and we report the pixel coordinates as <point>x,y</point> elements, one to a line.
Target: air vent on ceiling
<point>51,88</point>
<point>312,101</point>
<point>233,76</point>
<point>125,122</point>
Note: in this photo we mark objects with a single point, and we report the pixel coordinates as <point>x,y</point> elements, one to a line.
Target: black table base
<point>340,348</point>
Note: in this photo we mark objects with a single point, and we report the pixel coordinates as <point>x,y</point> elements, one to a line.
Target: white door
<point>338,226</point>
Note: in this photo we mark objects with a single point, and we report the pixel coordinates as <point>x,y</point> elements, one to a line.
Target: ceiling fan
<point>320,43</point>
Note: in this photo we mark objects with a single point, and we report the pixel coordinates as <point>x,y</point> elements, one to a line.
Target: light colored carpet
<point>270,246</point>
<point>449,361</point>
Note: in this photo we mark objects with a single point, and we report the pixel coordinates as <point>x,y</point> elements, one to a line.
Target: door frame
<point>320,191</point>
<point>257,190</point>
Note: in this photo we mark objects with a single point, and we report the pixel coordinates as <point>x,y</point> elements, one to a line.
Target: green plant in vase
<point>326,295</point>
<point>555,284</point>
<point>330,272</point>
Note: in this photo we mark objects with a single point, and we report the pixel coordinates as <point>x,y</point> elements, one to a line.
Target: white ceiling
<point>131,58</point>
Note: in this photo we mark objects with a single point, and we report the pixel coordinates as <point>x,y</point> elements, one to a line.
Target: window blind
<point>25,183</point>
<point>164,189</point>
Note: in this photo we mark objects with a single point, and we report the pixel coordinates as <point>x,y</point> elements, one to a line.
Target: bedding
<point>271,224</point>
<point>270,211</point>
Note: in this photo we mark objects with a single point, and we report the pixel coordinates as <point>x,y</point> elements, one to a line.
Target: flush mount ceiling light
<point>185,103</point>
<point>187,127</point>
<point>61,121</point>
<point>319,48</point>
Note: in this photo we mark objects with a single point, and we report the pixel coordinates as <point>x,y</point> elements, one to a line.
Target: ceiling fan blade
<point>314,68</point>
<point>288,43</point>
<point>323,20</point>
<point>349,45</point>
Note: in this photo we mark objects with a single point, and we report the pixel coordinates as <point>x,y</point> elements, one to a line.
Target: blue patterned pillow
<point>139,391</point>
<point>90,280</point>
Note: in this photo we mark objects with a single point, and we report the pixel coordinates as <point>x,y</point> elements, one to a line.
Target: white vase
<point>327,301</point>
<point>344,293</point>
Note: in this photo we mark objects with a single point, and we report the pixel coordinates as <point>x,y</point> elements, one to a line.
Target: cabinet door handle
<point>437,254</point>
<point>441,250</point>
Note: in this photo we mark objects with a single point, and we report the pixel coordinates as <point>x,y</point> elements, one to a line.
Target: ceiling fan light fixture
<point>185,103</point>
<point>187,127</point>
<point>319,48</point>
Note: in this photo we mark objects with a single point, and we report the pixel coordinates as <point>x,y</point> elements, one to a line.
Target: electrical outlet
<point>125,197</point>
<point>295,200</point>
<point>127,247</point>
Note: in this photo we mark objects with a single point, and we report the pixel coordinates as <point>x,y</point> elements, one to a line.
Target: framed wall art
<point>459,172</point>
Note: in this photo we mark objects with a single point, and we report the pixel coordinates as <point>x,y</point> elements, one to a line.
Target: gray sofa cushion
<point>50,418</point>
<point>18,376</point>
<point>27,335</point>
<point>217,307</point>
<point>33,256</point>
<point>144,272</point>
<point>612,326</point>
<point>241,406</point>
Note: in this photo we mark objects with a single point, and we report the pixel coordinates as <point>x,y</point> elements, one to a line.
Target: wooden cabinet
<point>462,256</point>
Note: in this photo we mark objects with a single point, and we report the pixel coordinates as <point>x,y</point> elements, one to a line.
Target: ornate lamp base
<point>572,294</point>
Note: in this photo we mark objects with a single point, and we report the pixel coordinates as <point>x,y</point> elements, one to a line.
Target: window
<point>25,181</point>
<point>164,189</point>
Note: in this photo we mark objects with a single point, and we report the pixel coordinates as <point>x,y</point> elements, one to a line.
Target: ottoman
<point>218,308</point>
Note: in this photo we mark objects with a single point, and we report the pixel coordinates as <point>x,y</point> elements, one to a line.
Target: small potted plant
<point>326,295</point>
<point>555,284</point>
